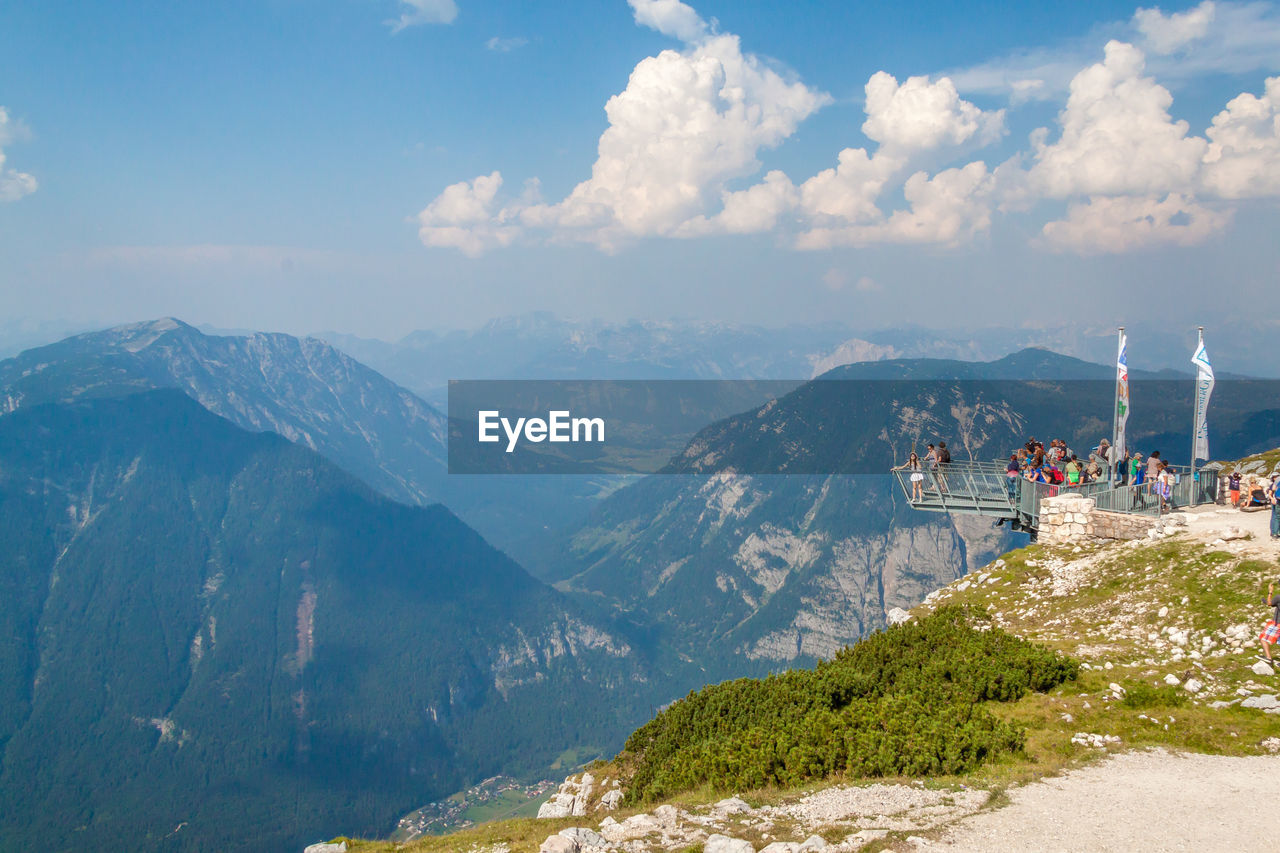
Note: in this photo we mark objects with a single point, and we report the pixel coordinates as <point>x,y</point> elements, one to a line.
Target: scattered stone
<point>1164,611</point>
<point>611,800</point>
<point>897,616</point>
<point>814,842</point>
<point>1264,701</point>
<point>327,847</point>
<point>1271,745</point>
<point>1261,668</point>
<point>1193,685</point>
<point>1219,705</point>
<point>1172,680</point>
<point>725,844</point>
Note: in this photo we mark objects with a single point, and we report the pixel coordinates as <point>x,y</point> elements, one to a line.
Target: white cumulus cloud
<point>921,114</point>
<point>1170,33</point>
<point>688,122</point>
<point>1243,159</point>
<point>671,18</point>
<point>13,184</point>
<point>415,12</point>
<point>1117,135</point>
<point>1124,223</point>
<point>467,217</point>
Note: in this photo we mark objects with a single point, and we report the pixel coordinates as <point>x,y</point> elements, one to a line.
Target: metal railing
<point>985,488</point>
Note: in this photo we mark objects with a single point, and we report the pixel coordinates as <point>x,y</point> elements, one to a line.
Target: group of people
<point>1057,466</point>
<point>934,461</point>
<point>1253,492</point>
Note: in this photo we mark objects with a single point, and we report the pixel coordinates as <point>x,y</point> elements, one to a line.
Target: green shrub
<point>908,700</point>
<point>1140,696</point>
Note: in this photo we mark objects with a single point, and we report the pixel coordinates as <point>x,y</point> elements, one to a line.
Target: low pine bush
<point>908,700</point>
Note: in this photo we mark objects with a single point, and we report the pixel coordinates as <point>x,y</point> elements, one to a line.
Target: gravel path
<point>1140,801</point>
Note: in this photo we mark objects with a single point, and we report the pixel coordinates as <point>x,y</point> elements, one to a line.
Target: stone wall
<point>1072,519</point>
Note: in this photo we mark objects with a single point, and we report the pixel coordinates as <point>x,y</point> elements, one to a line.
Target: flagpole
<point>1195,400</point>
<point>1115,410</point>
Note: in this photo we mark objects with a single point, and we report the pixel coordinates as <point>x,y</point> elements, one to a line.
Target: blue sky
<point>308,164</point>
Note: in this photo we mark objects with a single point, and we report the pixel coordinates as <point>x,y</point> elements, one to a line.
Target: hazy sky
<point>376,166</point>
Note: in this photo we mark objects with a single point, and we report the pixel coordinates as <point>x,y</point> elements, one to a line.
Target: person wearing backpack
<point>944,459</point>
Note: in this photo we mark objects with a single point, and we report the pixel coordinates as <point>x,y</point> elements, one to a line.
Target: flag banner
<point>1204,387</point>
<point>1122,397</point>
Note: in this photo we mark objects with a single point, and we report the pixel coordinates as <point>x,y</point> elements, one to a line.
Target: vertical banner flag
<point>1204,387</point>
<point>1122,397</point>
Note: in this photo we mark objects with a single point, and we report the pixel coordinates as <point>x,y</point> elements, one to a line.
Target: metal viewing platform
<point>983,488</point>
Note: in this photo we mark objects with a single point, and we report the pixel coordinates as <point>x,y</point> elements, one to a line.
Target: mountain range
<point>216,639</point>
<point>239,621</point>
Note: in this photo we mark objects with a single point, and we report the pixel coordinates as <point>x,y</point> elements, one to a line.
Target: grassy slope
<point>1106,616</point>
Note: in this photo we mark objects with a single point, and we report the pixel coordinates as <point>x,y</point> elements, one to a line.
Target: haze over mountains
<point>544,346</point>
<point>217,628</point>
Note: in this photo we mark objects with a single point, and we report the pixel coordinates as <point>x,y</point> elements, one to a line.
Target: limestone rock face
<point>327,847</point>
<point>573,797</point>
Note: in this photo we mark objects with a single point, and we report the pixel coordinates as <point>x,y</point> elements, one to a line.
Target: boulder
<point>1264,702</point>
<point>584,837</point>
<point>1192,685</point>
<point>781,847</point>
<point>611,800</point>
<point>731,805</point>
<point>897,616</point>
<point>814,842</point>
<point>327,847</point>
<point>1261,668</point>
<point>725,844</point>
<point>558,844</point>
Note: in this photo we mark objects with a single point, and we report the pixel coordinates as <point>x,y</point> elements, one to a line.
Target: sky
<point>380,166</point>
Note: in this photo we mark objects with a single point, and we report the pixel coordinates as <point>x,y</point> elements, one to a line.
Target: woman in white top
<point>917,476</point>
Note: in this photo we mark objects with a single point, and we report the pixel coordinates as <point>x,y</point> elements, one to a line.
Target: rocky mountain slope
<point>1165,630</point>
<point>302,389</point>
<point>776,536</point>
<point>215,639</point>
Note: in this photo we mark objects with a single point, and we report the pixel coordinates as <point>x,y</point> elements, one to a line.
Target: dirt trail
<point>1141,801</point>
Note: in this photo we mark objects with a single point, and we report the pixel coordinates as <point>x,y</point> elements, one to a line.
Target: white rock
<point>327,847</point>
<point>1172,680</point>
<point>814,842</point>
<point>1261,668</point>
<point>1163,612</point>
<point>1116,688</point>
<point>611,800</point>
<point>1264,701</point>
<point>781,847</point>
<point>1193,685</point>
<point>731,805</point>
<point>558,844</point>
<point>725,844</point>
<point>897,616</point>
<point>584,837</point>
